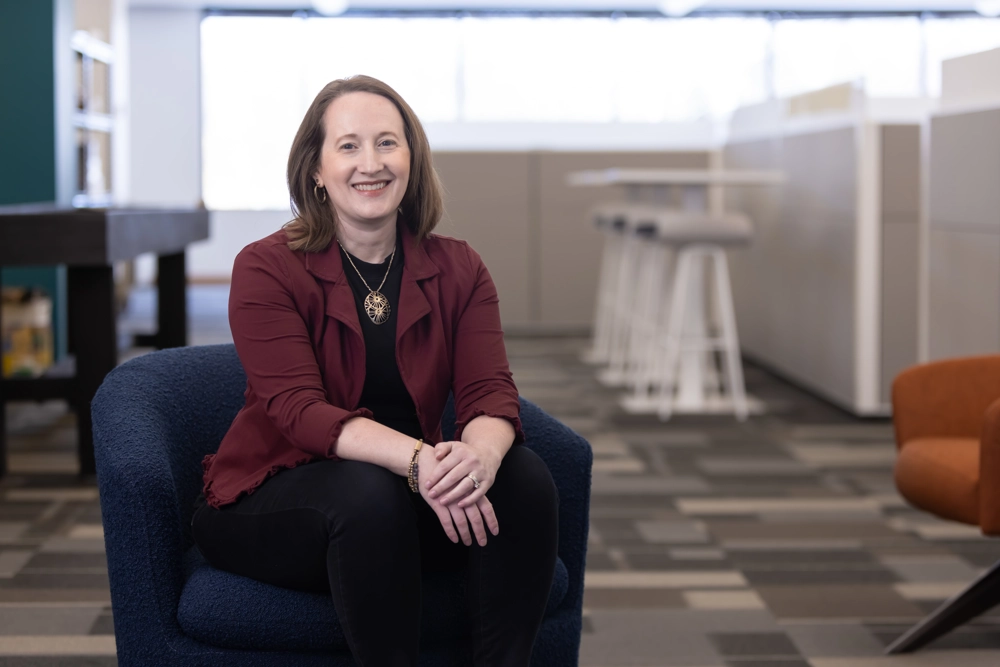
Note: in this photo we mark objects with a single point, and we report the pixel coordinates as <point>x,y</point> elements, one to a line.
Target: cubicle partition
<point>963,238</point>
<point>827,294</point>
<point>533,230</point>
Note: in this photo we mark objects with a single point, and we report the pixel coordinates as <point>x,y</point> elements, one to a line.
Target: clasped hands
<point>446,486</point>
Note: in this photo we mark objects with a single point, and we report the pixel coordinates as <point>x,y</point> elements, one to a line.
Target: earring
<point>316,189</point>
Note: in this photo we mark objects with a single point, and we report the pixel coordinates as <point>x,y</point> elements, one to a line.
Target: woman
<point>353,324</point>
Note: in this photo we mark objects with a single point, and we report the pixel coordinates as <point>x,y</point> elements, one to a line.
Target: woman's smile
<point>371,188</point>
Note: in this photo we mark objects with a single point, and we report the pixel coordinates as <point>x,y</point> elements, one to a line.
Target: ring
<point>475,482</point>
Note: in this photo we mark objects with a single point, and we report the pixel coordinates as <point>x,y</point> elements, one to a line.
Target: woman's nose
<point>371,161</point>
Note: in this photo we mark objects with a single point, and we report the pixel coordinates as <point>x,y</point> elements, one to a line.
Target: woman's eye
<point>388,142</point>
<point>347,146</point>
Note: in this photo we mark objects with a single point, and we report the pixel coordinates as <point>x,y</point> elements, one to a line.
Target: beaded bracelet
<point>414,471</point>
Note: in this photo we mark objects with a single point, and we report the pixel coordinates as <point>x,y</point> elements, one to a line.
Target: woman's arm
<point>365,440</point>
<point>493,434</point>
<point>486,402</point>
<point>481,378</point>
<point>276,351</point>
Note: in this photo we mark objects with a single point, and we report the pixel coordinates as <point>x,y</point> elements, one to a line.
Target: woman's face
<point>365,161</point>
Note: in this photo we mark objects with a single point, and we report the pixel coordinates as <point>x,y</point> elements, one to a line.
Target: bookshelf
<point>93,122</point>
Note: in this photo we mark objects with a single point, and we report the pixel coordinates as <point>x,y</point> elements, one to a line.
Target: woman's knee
<point>525,481</point>
<point>368,496</point>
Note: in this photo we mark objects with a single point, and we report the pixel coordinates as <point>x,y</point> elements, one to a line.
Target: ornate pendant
<point>377,307</point>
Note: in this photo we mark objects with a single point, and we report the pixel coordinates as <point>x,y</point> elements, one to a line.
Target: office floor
<point>778,542</point>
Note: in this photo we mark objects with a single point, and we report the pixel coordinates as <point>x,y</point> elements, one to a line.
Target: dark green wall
<point>30,32</point>
<point>27,112</point>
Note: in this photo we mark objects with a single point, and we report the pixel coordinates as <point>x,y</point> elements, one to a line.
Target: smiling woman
<point>353,324</point>
<point>364,132</point>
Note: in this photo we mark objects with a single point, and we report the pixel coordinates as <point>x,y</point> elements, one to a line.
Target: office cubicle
<point>827,294</point>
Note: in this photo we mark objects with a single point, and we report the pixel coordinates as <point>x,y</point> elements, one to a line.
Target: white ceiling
<point>586,5</point>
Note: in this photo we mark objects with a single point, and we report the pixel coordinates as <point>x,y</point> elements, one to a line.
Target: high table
<point>89,242</point>
<point>698,190</point>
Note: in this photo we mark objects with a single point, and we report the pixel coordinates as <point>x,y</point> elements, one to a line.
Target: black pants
<point>355,530</point>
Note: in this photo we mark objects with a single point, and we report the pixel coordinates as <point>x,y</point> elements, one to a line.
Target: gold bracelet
<point>413,472</point>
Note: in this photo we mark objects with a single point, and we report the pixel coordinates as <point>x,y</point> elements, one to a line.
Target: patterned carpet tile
<point>779,541</point>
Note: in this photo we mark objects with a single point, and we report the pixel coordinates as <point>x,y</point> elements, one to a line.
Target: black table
<point>88,242</point>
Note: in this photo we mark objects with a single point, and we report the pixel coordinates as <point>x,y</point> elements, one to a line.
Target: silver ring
<point>475,482</point>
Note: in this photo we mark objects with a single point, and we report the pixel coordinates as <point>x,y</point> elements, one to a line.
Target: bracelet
<point>414,471</point>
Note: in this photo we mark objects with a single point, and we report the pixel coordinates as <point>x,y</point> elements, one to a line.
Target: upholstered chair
<point>155,418</point>
<point>946,416</point>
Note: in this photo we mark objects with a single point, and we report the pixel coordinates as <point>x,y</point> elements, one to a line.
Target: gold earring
<point>316,193</point>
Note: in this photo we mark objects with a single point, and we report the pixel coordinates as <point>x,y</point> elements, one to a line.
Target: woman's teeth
<point>372,186</point>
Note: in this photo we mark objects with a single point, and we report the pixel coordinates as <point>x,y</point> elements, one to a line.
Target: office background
<point>781,540</point>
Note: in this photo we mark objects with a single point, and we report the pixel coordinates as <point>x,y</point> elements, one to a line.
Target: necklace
<point>376,305</point>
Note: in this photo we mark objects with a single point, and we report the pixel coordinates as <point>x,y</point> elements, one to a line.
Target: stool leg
<point>606,286</point>
<point>640,313</point>
<point>731,342</point>
<point>645,376</point>
<point>624,302</point>
<point>675,332</point>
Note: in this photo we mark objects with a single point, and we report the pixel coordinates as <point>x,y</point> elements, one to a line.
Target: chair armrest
<point>569,458</point>
<point>142,532</point>
<point>154,418</point>
<point>944,398</point>
<point>989,471</point>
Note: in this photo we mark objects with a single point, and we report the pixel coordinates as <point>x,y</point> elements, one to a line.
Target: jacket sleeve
<point>273,344</point>
<point>481,379</point>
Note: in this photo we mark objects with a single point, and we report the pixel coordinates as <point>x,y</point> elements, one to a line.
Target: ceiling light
<point>679,8</point>
<point>988,8</point>
<point>330,7</point>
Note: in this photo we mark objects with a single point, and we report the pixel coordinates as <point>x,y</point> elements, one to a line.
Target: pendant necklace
<point>376,305</point>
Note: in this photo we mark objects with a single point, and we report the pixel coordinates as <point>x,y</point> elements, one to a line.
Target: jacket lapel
<point>417,266</point>
<point>413,305</point>
<point>328,266</point>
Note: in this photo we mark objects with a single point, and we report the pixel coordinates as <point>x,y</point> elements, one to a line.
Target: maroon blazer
<point>297,334</point>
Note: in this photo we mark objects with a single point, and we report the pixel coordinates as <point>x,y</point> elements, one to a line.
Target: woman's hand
<point>451,480</point>
<point>455,520</point>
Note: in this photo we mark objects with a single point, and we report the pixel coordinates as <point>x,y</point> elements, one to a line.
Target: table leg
<point>171,289</point>
<point>92,327</point>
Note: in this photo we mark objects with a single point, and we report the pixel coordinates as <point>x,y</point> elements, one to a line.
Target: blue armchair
<point>155,418</point>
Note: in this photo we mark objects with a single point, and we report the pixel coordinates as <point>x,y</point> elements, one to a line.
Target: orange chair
<point>946,416</point>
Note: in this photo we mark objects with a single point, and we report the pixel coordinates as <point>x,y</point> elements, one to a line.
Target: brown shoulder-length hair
<point>313,228</point>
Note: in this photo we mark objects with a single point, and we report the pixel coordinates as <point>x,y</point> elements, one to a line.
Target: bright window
<point>815,53</point>
<point>259,74</point>
<point>950,38</point>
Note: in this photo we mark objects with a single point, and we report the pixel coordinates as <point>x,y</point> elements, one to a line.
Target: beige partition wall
<point>532,228</point>
<point>900,274</point>
<point>827,292</point>
<point>487,203</point>
<point>963,295</point>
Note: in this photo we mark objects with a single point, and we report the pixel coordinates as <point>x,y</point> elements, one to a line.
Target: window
<point>950,38</point>
<point>815,53</point>
<point>259,74</point>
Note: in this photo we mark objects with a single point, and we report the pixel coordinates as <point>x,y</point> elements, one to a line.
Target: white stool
<point>699,239</point>
<point>621,269</point>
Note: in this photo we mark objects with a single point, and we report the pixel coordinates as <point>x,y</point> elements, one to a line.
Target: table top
<point>48,234</point>
<point>620,176</point>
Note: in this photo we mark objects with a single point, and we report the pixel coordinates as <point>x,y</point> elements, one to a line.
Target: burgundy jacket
<point>297,334</point>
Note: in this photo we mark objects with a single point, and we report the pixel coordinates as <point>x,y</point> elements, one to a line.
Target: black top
<point>384,392</point>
